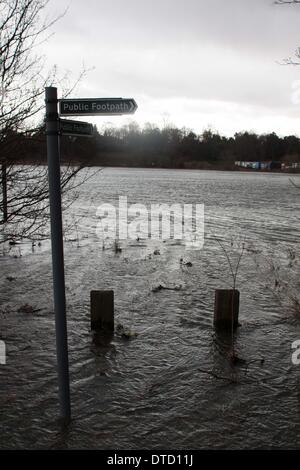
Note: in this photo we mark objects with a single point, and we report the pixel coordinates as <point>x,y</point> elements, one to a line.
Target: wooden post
<point>226,308</point>
<point>102,310</point>
<point>4,192</point>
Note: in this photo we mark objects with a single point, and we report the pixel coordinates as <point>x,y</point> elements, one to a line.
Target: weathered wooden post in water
<point>102,310</point>
<point>226,311</point>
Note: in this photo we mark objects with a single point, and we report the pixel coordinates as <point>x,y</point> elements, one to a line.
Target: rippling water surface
<point>171,385</point>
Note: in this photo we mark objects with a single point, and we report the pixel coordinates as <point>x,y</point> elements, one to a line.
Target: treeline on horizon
<point>151,146</point>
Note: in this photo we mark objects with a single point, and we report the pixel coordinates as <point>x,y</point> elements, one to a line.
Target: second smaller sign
<point>79,128</point>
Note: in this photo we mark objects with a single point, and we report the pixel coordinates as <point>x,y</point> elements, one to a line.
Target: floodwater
<point>170,384</point>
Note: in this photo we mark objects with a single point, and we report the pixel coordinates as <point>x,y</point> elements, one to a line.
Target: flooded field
<point>170,385</point>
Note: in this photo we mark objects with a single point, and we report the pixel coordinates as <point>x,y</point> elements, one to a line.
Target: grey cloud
<point>213,50</point>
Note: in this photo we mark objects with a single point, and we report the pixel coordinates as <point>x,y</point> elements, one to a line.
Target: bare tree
<point>285,2</point>
<point>24,200</point>
<point>289,60</point>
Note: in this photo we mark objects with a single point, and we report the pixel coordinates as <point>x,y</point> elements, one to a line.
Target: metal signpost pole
<point>53,155</point>
<point>55,127</point>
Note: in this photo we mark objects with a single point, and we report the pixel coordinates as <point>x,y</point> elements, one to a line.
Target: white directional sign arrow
<point>97,106</point>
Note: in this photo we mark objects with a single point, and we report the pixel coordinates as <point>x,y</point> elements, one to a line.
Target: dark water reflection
<point>172,385</point>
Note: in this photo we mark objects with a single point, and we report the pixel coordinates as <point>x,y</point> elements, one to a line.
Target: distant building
<point>263,165</point>
<point>269,165</point>
<point>274,165</point>
<point>250,165</point>
<point>290,165</point>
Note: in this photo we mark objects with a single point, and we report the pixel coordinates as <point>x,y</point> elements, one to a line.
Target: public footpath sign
<point>97,107</point>
<point>76,128</point>
<point>54,128</point>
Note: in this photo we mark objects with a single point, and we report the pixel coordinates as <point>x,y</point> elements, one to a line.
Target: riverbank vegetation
<point>150,146</point>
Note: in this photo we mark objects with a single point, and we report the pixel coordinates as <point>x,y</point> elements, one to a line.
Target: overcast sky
<point>193,63</point>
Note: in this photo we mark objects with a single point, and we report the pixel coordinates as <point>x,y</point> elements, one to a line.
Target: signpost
<point>53,155</point>
<point>97,106</point>
<point>54,127</point>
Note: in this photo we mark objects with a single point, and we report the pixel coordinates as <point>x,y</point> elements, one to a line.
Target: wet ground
<point>171,383</point>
